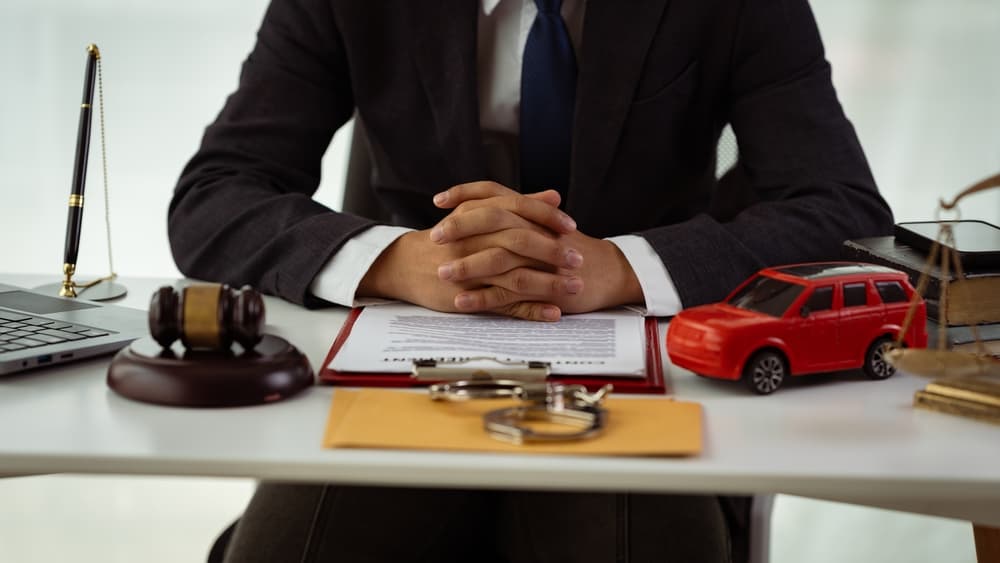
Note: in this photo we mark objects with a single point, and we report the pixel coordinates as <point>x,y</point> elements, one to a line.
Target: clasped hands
<point>503,252</point>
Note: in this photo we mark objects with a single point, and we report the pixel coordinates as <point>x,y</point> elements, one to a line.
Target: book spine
<point>953,319</point>
<point>961,316</point>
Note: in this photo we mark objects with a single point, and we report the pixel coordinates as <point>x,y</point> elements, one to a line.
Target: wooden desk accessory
<point>207,349</point>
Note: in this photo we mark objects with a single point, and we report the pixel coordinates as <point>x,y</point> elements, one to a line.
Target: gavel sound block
<point>207,349</point>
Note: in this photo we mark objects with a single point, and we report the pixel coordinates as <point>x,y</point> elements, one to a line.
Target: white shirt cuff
<point>339,279</point>
<point>662,299</point>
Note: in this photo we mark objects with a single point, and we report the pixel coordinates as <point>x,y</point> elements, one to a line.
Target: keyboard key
<point>61,334</point>
<point>9,316</point>
<point>19,331</point>
<point>46,338</point>
<point>90,333</point>
<point>26,342</point>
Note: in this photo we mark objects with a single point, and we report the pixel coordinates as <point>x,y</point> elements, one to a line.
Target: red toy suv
<point>799,319</point>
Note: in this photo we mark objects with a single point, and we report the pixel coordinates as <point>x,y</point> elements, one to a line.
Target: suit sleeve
<point>243,211</point>
<point>799,155</point>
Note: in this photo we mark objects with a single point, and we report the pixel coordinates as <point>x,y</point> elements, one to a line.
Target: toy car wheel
<point>765,372</point>
<point>877,366</point>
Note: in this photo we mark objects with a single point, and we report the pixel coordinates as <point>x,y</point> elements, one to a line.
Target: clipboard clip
<point>547,402</point>
<point>479,368</point>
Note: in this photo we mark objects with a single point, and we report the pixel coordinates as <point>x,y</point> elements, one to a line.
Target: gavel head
<point>207,316</point>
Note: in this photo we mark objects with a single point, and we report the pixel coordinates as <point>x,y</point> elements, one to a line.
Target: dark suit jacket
<point>658,81</point>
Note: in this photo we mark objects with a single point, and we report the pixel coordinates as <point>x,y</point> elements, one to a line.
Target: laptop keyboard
<point>19,331</point>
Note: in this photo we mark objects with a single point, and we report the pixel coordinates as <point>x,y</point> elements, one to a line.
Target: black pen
<point>74,221</point>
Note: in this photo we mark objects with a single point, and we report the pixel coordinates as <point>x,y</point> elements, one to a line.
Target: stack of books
<point>972,302</point>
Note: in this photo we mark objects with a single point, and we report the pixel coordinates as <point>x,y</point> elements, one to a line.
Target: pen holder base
<point>104,291</point>
<point>273,370</point>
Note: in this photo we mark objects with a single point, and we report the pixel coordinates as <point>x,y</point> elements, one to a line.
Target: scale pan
<point>941,363</point>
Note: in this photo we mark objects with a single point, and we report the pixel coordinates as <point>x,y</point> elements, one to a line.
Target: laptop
<point>38,330</point>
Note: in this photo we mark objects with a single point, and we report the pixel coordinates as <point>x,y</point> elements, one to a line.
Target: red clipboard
<point>653,382</point>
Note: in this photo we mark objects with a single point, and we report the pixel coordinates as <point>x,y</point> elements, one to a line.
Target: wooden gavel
<point>207,316</point>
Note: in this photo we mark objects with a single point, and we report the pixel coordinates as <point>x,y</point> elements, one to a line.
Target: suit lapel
<point>616,38</point>
<point>444,51</point>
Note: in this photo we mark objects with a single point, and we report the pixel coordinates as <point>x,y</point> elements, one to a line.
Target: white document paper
<point>388,338</point>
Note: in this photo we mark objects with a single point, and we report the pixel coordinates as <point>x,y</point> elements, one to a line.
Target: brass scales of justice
<point>942,362</point>
<point>104,288</point>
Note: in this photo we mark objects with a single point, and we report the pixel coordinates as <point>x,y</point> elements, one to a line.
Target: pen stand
<point>206,349</point>
<point>101,289</point>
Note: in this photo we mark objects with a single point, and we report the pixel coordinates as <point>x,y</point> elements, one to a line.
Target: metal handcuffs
<point>546,401</point>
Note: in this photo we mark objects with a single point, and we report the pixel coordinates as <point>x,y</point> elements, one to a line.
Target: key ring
<point>558,403</point>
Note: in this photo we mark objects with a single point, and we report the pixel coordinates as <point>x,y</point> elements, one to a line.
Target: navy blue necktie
<point>548,93</point>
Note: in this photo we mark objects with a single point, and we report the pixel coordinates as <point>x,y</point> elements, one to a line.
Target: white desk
<point>840,438</point>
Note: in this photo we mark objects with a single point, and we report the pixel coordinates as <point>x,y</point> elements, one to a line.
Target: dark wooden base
<point>987,543</point>
<point>273,370</point>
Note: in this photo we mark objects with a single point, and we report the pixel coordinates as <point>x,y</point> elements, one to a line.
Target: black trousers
<point>345,524</point>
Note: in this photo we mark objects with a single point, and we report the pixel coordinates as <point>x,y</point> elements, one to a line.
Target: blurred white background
<point>917,77</point>
<point>168,67</point>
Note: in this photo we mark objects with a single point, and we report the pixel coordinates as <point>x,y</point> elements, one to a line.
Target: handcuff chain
<point>569,405</point>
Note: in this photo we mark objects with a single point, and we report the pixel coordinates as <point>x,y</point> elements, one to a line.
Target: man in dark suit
<point>637,215</point>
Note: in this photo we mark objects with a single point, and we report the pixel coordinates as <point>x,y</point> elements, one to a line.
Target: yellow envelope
<point>385,418</point>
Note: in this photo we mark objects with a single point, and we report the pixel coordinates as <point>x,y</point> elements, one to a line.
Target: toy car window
<point>855,294</point>
<point>821,299</point>
<point>891,291</point>
<point>766,295</point>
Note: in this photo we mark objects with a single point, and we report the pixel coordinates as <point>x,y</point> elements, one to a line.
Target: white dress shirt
<point>502,34</point>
